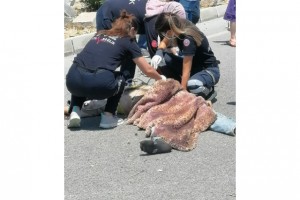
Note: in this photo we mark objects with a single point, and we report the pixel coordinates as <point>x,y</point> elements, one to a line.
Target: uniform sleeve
<point>189,46</point>
<point>151,35</point>
<point>134,49</point>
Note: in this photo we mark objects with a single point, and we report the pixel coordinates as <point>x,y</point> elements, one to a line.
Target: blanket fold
<point>174,114</point>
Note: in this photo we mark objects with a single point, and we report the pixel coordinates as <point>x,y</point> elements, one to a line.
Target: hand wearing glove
<point>163,77</point>
<point>155,61</point>
<point>157,58</point>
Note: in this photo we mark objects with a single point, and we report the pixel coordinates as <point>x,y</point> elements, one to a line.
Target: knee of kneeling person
<point>195,86</point>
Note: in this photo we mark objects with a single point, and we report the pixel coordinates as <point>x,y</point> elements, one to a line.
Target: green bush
<point>93,5</point>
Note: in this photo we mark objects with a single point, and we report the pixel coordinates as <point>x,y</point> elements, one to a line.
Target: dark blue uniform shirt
<point>110,10</point>
<point>107,52</point>
<point>203,55</point>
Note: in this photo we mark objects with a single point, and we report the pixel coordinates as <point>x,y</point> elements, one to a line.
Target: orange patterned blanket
<point>172,113</point>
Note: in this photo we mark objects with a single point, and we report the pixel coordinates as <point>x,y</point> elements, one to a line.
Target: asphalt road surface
<point>108,164</point>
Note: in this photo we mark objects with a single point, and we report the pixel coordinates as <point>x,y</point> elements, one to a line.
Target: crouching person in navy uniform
<point>195,66</point>
<point>93,76</point>
<point>109,11</point>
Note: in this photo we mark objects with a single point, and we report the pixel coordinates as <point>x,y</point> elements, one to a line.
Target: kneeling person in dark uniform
<point>196,67</point>
<point>93,76</point>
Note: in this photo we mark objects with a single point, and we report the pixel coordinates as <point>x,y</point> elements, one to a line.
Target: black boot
<point>155,147</point>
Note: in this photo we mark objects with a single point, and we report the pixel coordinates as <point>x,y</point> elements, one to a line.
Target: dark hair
<point>122,25</point>
<point>170,21</point>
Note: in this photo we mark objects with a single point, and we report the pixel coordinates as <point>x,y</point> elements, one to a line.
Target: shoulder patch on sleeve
<point>186,42</point>
<point>154,43</point>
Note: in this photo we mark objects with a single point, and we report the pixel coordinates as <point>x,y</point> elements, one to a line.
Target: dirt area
<point>72,30</point>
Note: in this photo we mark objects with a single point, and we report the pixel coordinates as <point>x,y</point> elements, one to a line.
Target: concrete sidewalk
<point>75,44</point>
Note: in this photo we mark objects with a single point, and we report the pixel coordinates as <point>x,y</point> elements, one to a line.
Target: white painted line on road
<point>217,34</point>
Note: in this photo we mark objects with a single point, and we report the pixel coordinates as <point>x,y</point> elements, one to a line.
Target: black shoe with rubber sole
<point>155,147</point>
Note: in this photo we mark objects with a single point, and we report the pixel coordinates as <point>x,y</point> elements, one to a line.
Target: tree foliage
<point>93,5</point>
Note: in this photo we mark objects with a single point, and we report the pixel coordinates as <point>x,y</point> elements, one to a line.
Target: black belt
<point>87,69</point>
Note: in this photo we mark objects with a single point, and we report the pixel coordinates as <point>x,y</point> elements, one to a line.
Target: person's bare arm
<point>163,44</point>
<point>186,70</point>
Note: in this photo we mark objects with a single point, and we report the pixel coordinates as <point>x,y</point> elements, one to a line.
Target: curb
<point>210,13</point>
<point>75,44</point>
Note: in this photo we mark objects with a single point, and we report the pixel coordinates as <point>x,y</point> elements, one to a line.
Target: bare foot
<point>231,43</point>
<point>66,111</point>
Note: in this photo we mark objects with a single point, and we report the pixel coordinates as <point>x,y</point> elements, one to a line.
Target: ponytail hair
<point>170,21</point>
<point>122,25</point>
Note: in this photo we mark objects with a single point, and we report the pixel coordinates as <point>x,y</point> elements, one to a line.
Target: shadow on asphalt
<point>222,42</point>
<point>231,103</point>
<point>145,154</point>
<point>89,123</point>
